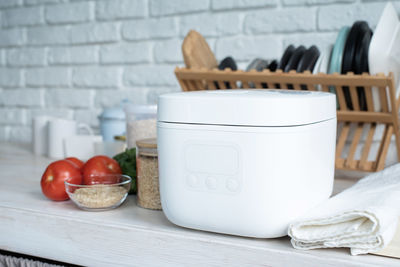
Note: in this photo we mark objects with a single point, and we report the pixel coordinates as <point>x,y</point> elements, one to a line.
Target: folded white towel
<point>363,217</point>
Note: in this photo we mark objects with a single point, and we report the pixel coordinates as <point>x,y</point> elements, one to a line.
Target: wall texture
<point>73,58</point>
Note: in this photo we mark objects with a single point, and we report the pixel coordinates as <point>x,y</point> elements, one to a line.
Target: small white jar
<point>141,121</point>
<point>245,162</point>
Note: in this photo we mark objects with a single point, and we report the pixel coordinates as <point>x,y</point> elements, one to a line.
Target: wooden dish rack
<point>364,122</point>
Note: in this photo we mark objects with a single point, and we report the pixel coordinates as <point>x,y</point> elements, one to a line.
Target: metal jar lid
<point>147,147</point>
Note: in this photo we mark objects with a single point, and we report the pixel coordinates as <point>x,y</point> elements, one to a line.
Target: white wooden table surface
<point>31,224</point>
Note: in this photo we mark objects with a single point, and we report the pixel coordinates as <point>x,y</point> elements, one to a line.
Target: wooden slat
<point>341,98</point>
<point>368,95</point>
<point>296,86</point>
<point>368,167</point>
<point>395,114</point>
<point>354,98</point>
<point>258,85</point>
<point>363,116</point>
<point>382,94</point>
<point>221,85</point>
<point>198,84</point>
<point>233,84</point>
<point>311,87</point>
<point>350,162</point>
<point>194,84</point>
<point>307,86</point>
<point>350,166</point>
<point>384,147</point>
<point>184,85</point>
<point>189,85</point>
<point>279,77</point>
<point>247,84</point>
<point>339,163</point>
<point>342,139</point>
<point>367,146</point>
<point>229,82</point>
<point>211,85</point>
<point>383,98</point>
<point>325,88</point>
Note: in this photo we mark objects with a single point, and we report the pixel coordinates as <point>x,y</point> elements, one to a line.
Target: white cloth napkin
<point>363,217</point>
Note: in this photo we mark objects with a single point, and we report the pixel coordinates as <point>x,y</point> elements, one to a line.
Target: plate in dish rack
<point>384,49</point>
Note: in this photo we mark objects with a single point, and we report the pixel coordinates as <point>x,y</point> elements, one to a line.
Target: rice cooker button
<point>232,185</point>
<point>211,183</point>
<point>193,180</point>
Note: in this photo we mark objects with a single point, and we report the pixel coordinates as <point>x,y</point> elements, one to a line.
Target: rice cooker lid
<point>254,107</point>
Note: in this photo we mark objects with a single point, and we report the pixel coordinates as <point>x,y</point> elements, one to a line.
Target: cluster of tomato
<point>76,172</point>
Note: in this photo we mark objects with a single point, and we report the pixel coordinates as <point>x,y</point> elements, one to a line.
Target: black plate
<point>360,65</point>
<point>227,62</point>
<point>308,60</point>
<point>295,58</point>
<point>273,66</point>
<point>361,56</point>
<point>285,57</point>
<point>357,32</point>
<point>294,61</point>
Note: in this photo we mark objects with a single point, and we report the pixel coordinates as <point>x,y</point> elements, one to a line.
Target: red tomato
<point>79,163</point>
<point>97,167</point>
<point>53,178</point>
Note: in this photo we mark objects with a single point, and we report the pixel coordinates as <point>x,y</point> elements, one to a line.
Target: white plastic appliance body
<point>247,180</point>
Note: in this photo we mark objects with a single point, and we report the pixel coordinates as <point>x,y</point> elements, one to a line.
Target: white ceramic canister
<point>40,135</point>
<point>60,129</point>
<point>245,162</point>
<point>112,123</point>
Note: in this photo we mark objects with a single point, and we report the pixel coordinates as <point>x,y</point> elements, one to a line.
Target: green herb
<point>127,162</point>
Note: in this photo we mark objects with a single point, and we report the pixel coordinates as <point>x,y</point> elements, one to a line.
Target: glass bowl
<point>104,193</point>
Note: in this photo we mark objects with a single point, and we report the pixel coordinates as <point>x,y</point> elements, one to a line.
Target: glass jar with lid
<point>148,194</point>
<point>141,122</point>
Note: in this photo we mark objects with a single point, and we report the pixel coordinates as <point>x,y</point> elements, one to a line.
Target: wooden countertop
<point>129,235</point>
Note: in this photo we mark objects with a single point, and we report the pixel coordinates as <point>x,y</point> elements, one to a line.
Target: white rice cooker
<point>245,162</point>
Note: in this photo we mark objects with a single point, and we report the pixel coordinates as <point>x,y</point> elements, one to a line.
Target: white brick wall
<point>100,32</point>
<point>47,77</point>
<point>22,16</point>
<point>118,9</point>
<point>96,77</point>
<point>72,58</point>
<point>26,57</point>
<point>73,55</point>
<point>47,35</point>
<point>151,28</point>
<point>69,13</point>
<point>126,53</point>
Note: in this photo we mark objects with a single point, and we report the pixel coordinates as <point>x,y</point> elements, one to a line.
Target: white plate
<point>325,61</point>
<point>318,63</point>
<point>384,49</point>
<point>321,66</point>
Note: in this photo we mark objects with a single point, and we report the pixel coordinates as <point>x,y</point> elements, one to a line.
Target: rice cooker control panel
<point>213,167</point>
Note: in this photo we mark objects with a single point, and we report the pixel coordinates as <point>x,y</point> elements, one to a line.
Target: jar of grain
<point>148,194</point>
<point>140,122</point>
